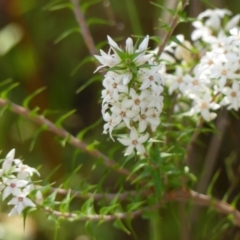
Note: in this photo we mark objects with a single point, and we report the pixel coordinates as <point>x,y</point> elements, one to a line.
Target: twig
<point>97,217</point>
<point>41,120</point>
<point>87,36</point>
<point>173,25</point>
<point>204,200</point>
<point>177,195</point>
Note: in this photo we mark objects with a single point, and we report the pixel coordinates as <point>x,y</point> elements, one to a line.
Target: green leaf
<point>212,183</point>
<point>31,96</point>
<point>50,200</point>
<point>118,224</point>
<point>6,81</point>
<point>65,140</point>
<point>5,93</point>
<point>63,117</point>
<point>60,6</point>
<point>81,134</point>
<point>4,108</point>
<point>83,62</point>
<point>171,11</point>
<point>50,4</point>
<point>46,180</point>
<point>89,3</point>
<point>235,201</point>
<point>108,209</point>
<point>64,207</point>
<point>98,21</point>
<point>37,133</point>
<point>66,34</point>
<point>141,176</point>
<point>137,167</point>
<point>92,145</point>
<point>34,112</point>
<point>88,207</point>
<point>93,79</point>
<point>73,172</point>
<point>135,205</point>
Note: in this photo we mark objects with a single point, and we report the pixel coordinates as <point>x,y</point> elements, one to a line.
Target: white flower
<point>13,186</point>
<point>214,17</point>
<point>112,121</point>
<point>124,113</point>
<point>176,81</point>
<point>113,86</point>
<point>224,71</point>
<point>196,83</point>
<point>204,105</point>
<point>107,60</point>
<point>151,78</point>
<point>20,202</point>
<point>134,142</point>
<point>24,172</point>
<point>232,96</point>
<point>136,101</point>
<point>200,31</point>
<point>148,116</point>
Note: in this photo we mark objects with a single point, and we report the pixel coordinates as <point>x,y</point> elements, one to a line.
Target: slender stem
<point>173,25</point>
<point>204,200</point>
<point>97,217</point>
<point>50,126</point>
<point>87,36</point>
<point>180,195</point>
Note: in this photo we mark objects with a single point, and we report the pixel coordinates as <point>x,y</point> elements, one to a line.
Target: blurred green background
<point>32,55</point>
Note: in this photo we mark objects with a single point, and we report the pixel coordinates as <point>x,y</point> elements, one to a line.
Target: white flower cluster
<point>16,182</point>
<point>131,97</point>
<point>209,69</point>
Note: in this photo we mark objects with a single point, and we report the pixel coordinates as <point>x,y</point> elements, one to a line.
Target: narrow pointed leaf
<point>97,78</point>
<point>63,117</point>
<point>5,93</point>
<point>83,62</point>
<point>31,96</point>
<point>119,224</point>
<point>66,34</point>
<point>89,3</point>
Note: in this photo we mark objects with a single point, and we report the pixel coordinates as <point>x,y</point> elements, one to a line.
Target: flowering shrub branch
<point>201,75</point>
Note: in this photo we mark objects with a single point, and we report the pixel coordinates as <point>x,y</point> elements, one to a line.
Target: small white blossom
<point>204,105</point>
<point>20,202</point>
<point>13,186</point>
<point>232,96</point>
<point>134,141</point>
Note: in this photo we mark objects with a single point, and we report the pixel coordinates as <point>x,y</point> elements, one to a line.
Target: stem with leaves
<point>172,26</point>
<point>180,195</point>
<point>50,126</point>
